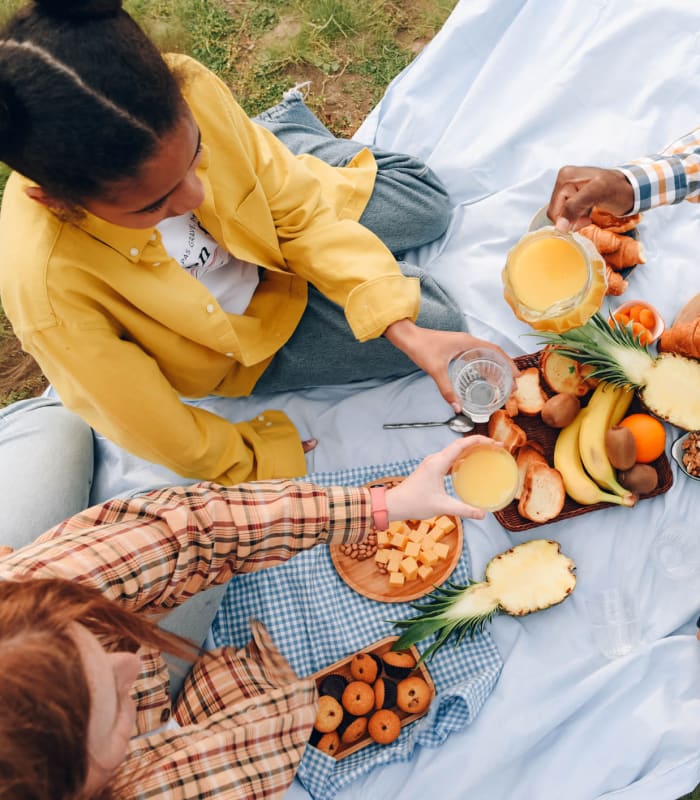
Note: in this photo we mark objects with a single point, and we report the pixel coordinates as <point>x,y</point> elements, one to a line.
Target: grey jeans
<point>408,207</point>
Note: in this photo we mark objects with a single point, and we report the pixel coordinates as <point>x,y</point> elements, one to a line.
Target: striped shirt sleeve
<point>154,551</point>
<point>666,178</point>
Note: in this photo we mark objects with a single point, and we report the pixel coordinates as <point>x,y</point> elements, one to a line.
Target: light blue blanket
<point>507,93</point>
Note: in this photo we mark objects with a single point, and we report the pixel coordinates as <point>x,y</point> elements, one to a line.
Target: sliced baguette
<point>562,374</point>
<point>503,429</point>
<point>529,392</point>
<point>530,453</point>
<point>543,493</point>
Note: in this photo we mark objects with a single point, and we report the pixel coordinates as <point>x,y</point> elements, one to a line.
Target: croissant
<point>616,283</point>
<point>605,241</point>
<point>683,338</point>
<point>613,223</point>
<point>629,253</point>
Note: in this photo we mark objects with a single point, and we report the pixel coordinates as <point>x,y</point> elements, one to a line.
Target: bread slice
<point>562,374</point>
<point>543,493</point>
<point>530,453</point>
<point>529,392</point>
<point>511,406</point>
<point>503,429</point>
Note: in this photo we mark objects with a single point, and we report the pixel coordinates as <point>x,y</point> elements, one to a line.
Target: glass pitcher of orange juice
<point>554,281</point>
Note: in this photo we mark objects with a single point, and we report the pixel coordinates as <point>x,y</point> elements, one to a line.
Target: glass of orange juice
<point>486,476</point>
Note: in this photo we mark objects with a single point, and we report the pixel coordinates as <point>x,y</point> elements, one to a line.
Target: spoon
<point>459,424</point>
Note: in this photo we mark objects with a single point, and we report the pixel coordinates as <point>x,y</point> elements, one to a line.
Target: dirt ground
<point>342,103</point>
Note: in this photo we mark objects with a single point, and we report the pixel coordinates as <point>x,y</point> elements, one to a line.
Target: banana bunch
<point>580,454</point>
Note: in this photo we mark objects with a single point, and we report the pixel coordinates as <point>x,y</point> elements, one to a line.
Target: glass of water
<point>614,621</point>
<point>483,380</point>
<point>676,551</point>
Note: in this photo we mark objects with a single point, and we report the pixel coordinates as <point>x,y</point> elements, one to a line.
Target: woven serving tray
<point>546,436</point>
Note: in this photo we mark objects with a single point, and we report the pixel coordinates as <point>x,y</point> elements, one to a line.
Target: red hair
<point>44,694</point>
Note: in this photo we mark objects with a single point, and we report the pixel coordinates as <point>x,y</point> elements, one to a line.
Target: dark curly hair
<point>84,96</point>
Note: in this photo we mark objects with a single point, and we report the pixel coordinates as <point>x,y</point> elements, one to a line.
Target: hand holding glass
<point>483,380</point>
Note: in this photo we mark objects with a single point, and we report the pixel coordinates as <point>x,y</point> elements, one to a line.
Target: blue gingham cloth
<point>316,619</point>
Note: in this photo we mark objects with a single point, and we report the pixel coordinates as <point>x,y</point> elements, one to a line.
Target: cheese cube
<point>428,557</point>
<point>423,571</point>
<point>397,526</point>
<point>424,527</point>
<point>395,558</point>
<point>383,538</point>
<point>409,567</point>
<point>381,556</point>
<point>441,549</point>
<point>396,579</point>
<point>412,549</point>
<point>416,536</point>
<point>445,523</point>
<point>399,540</point>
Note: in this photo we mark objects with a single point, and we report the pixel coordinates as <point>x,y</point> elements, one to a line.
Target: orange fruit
<point>649,436</point>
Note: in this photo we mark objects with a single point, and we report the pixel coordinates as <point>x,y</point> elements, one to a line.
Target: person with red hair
<point>83,683</point>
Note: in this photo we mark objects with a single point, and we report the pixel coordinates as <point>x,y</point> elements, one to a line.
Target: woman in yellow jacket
<point>158,244</point>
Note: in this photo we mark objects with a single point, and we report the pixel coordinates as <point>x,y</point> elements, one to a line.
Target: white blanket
<point>506,93</point>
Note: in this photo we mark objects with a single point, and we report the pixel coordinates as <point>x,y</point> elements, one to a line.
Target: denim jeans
<point>408,208</point>
<point>46,465</point>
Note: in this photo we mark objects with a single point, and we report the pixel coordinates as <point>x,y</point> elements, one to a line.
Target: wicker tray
<point>546,436</point>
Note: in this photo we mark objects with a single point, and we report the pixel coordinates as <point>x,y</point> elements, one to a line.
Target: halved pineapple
<point>529,577</point>
<point>668,384</point>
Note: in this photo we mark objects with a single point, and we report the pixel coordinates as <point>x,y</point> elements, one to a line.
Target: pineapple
<point>529,577</point>
<point>668,384</point>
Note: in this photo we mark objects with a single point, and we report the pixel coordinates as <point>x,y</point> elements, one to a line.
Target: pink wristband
<point>380,516</point>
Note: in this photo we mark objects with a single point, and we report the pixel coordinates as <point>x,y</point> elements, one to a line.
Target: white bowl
<point>677,454</point>
<point>659,324</point>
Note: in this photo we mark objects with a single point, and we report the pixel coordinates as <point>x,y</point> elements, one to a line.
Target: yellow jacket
<point>123,332</point>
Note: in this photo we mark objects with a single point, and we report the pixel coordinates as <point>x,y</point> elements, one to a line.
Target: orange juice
<point>547,271</point>
<point>486,476</point>
<point>554,281</point>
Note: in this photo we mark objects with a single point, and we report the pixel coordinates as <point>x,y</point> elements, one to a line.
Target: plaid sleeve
<point>668,177</point>
<point>246,719</point>
<point>156,550</point>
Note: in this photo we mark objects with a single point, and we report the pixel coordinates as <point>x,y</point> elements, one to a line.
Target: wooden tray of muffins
<point>369,697</point>
<point>359,568</point>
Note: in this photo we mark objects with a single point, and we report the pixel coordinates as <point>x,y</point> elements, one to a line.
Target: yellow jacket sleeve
<point>314,217</point>
<point>124,395</point>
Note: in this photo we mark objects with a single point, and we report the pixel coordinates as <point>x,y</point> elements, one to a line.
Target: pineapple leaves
<point>601,344</point>
<point>438,616</point>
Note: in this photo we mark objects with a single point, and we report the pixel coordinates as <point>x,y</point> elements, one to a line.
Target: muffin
<point>413,695</point>
<point>384,693</point>
<point>384,726</point>
<point>365,667</point>
<point>329,714</point>
<point>358,698</point>
<point>352,729</point>
<point>329,743</point>
<point>333,685</point>
<point>398,664</point>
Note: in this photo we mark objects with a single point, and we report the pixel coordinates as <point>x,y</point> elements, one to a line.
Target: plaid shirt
<point>668,177</point>
<point>245,715</point>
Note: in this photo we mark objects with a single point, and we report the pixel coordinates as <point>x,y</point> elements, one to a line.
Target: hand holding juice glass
<point>486,476</point>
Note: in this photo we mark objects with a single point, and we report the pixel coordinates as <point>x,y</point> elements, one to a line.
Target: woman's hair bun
<point>80,9</point>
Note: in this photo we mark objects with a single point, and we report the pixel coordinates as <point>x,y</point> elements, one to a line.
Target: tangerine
<point>649,436</point>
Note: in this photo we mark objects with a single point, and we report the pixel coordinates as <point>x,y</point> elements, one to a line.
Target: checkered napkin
<point>316,619</point>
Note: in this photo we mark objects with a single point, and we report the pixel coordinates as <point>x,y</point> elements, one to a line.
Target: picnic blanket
<point>504,95</point>
<point>307,611</point>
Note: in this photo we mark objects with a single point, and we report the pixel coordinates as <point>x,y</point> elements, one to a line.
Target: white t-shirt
<point>232,281</point>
